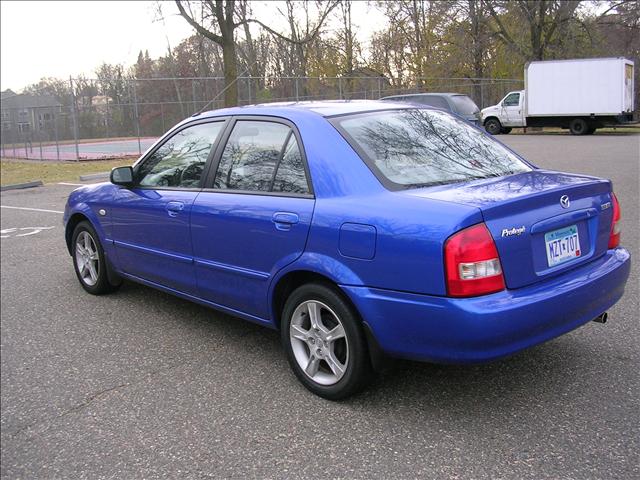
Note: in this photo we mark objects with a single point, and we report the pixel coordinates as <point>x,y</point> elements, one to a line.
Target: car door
<point>512,107</point>
<point>254,217</point>
<point>151,230</point>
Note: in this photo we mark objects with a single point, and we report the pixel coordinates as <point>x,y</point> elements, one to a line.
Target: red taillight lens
<point>472,264</point>
<point>614,235</point>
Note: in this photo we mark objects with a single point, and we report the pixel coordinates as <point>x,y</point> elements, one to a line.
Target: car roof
<point>327,108</point>
<point>438,94</point>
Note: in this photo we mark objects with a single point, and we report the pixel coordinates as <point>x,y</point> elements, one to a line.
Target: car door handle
<point>174,208</point>
<point>284,220</point>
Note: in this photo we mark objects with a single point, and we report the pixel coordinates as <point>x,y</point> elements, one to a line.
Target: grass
<point>19,171</point>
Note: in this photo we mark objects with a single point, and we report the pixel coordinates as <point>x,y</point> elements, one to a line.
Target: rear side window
<point>262,156</point>
<point>179,161</point>
<point>419,147</point>
<point>432,101</point>
<point>290,175</point>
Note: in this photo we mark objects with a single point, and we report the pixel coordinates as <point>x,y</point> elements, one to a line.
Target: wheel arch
<point>83,212</point>
<point>292,279</point>
<point>491,117</point>
<point>72,223</point>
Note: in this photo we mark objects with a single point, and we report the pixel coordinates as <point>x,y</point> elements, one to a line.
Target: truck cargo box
<point>585,87</point>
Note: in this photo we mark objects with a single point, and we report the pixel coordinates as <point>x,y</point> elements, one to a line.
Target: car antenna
<point>221,92</point>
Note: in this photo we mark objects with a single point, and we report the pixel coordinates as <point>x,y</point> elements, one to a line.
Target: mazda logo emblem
<point>564,201</point>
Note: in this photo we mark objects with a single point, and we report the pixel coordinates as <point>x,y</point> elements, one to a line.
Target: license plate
<point>562,245</point>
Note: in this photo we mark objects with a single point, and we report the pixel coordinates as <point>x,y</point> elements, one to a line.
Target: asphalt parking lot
<point>142,384</point>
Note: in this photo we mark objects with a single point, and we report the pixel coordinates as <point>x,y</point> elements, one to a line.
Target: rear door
<point>151,229</point>
<point>253,218</point>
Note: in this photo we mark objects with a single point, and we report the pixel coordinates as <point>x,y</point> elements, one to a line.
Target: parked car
<point>358,229</point>
<point>457,103</point>
<point>580,95</point>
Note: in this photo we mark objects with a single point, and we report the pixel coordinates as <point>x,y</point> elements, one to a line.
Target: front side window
<point>180,161</point>
<point>419,147</point>
<point>512,100</point>
<point>261,156</point>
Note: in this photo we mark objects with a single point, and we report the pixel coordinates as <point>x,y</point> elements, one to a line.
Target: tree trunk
<point>230,73</point>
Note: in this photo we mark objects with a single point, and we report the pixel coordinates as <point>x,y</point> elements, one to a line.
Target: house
<point>25,114</point>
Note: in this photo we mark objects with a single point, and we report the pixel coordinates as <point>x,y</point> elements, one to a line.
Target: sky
<point>58,39</point>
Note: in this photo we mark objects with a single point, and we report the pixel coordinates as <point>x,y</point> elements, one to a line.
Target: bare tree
<point>542,19</point>
<point>215,20</point>
<point>218,21</point>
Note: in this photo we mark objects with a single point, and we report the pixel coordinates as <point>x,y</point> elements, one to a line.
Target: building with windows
<point>28,116</point>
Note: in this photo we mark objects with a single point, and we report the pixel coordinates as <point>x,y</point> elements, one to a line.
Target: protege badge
<point>509,232</point>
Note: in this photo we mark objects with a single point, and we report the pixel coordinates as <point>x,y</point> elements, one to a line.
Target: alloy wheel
<point>319,342</point>
<point>87,258</point>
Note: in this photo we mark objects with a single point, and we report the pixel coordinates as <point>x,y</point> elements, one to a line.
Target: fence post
<point>106,118</point>
<point>297,97</point>
<point>74,117</point>
<point>340,87</point>
<point>193,95</point>
<point>135,112</point>
<point>55,133</point>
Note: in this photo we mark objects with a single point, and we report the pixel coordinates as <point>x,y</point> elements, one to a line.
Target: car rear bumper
<point>470,330</point>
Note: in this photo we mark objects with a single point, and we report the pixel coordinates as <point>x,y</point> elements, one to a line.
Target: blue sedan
<point>359,230</point>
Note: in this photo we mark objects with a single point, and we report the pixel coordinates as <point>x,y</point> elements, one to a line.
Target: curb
<point>95,176</point>
<point>19,186</point>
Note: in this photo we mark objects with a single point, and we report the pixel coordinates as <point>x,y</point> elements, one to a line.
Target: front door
<point>254,218</point>
<point>512,107</point>
<point>151,220</point>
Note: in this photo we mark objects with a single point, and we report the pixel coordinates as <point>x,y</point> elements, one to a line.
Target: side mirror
<point>122,176</point>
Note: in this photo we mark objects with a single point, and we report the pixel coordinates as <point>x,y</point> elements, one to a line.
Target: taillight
<point>614,235</point>
<point>472,264</point>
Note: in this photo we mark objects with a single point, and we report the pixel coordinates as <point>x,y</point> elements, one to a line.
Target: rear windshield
<point>464,105</point>
<point>418,147</point>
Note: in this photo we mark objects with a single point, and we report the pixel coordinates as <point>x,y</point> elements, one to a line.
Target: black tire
<point>578,126</point>
<point>357,371</point>
<point>506,130</point>
<point>493,126</point>
<point>101,284</point>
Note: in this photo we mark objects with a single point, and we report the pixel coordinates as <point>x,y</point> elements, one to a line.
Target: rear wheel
<point>493,126</point>
<point>578,126</point>
<point>88,260</point>
<point>324,342</point>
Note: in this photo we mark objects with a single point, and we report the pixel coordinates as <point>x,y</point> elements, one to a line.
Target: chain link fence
<point>123,120</point>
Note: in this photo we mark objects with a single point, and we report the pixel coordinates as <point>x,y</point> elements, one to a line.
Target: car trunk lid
<point>535,233</point>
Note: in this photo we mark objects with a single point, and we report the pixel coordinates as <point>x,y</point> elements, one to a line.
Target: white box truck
<point>581,95</point>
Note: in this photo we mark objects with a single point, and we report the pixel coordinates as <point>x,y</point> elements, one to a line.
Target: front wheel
<point>88,260</point>
<point>493,126</point>
<point>324,342</point>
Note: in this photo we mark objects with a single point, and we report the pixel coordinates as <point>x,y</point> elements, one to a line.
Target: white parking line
<point>32,209</point>
<point>72,184</point>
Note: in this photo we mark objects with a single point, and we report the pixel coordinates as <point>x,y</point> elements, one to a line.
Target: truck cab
<point>508,113</point>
